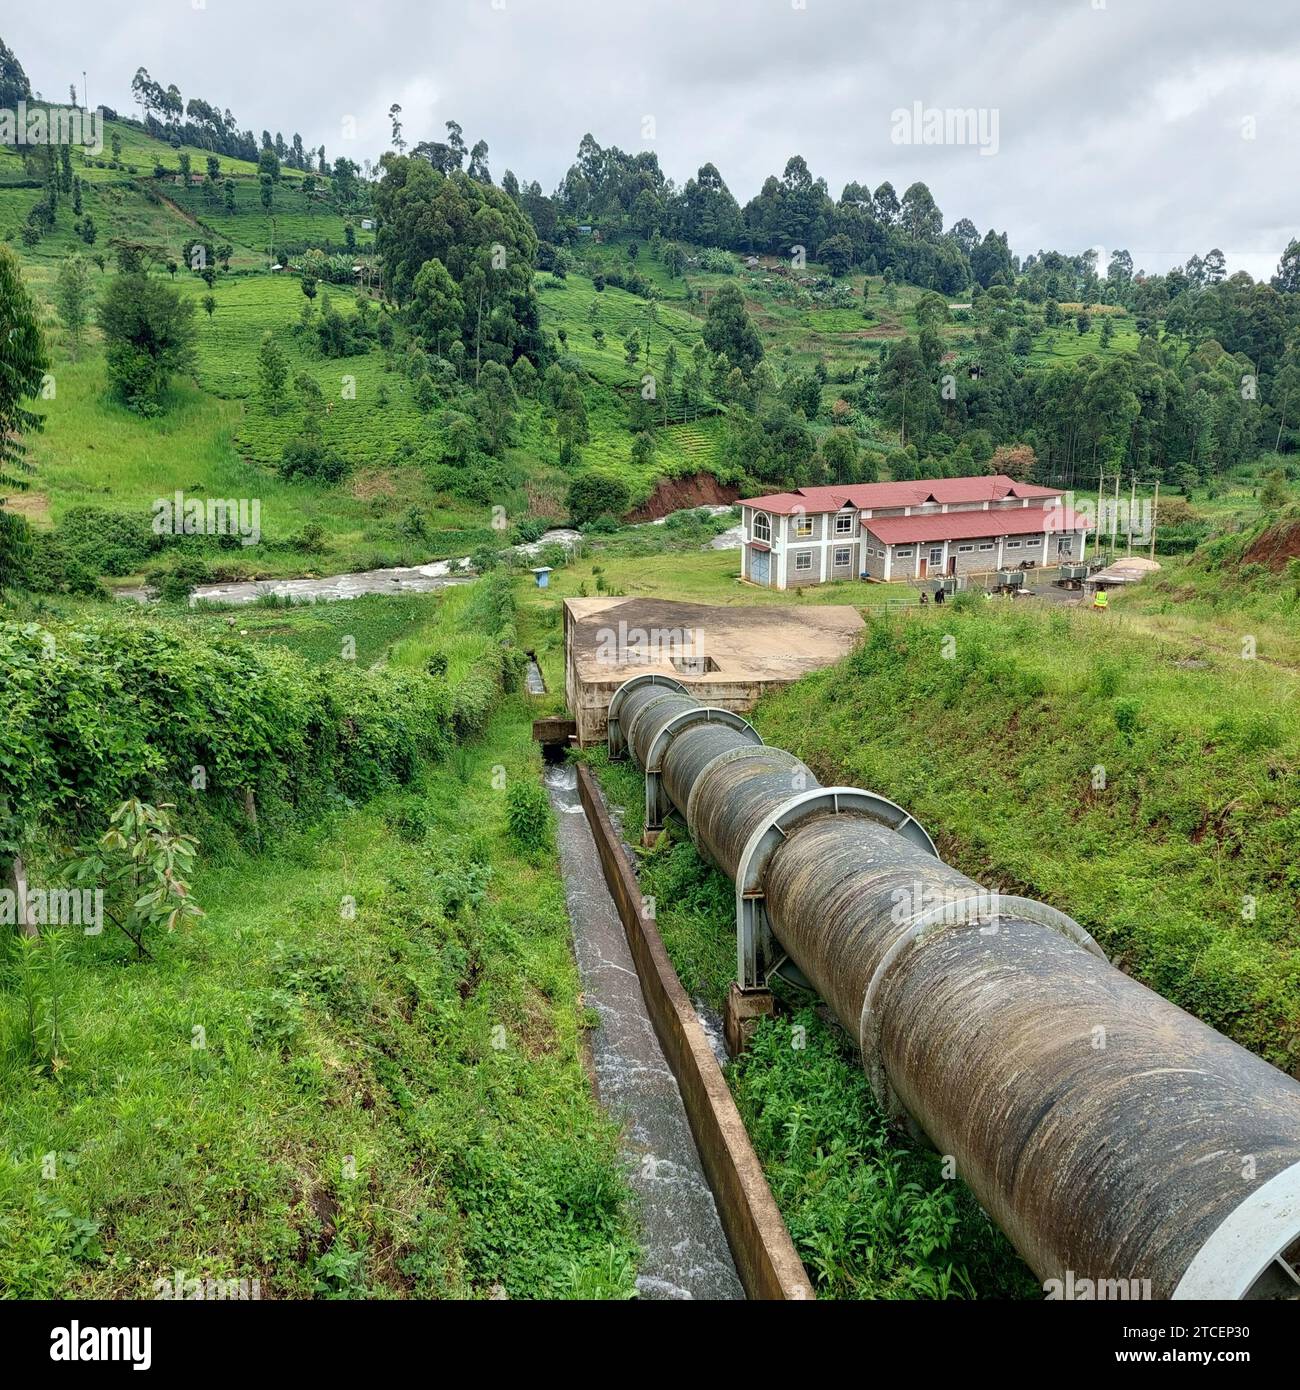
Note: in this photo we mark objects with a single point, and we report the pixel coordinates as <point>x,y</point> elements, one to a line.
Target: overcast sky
<point>1165,126</point>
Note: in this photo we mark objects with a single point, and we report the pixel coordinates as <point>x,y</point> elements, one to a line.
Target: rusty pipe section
<point>1111,1135</point>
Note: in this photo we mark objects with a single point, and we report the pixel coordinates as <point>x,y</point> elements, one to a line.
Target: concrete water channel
<point>685,1254</point>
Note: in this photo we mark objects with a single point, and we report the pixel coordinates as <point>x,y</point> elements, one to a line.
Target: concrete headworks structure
<point>1112,1136</point>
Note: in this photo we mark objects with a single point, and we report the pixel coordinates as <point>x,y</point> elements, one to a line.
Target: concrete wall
<point>816,523</point>
<point>589,700</point>
<point>848,570</point>
<point>873,564</point>
<point>766,1260</point>
<point>974,561</point>
<point>795,578</point>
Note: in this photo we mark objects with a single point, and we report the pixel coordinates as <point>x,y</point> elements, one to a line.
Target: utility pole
<point>85,100</point>
<point>1155,512</point>
<point>1132,508</point>
<point>1101,479</point>
<point>1114,516</point>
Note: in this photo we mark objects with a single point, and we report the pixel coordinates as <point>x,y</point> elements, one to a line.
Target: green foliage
<point>142,862</point>
<point>871,1216</point>
<point>273,372</point>
<point>729,332</point>
<point>307,456</point>
<point>1274,493</point>
<point>23,362</point>
<point>436,311</point>
<point>73,297</point>
<point>338,336</point>
<point>375,1136</point>
<point>166,702</point>
<point>592,495</point>
<point>528,817</point>
<point>176,581</point>
<point>38,974</point>
<point>149,336</point>
<point>479,236</point>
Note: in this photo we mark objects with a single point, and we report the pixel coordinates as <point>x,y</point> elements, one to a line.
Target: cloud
<point>1165,127</point>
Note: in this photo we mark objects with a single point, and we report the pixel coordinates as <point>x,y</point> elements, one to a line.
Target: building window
<point>902,555</point>
<point>1013,545</point>
<point>844,524</point>
<point>803,524</point>
<point>936,554</point>
<point>762,527</point>
<point>803,561</point>
<point>1033,540</point>
<point>986,545</point>
<point>1063,546</point>
<point>841,555</point>
<point>963,549</point>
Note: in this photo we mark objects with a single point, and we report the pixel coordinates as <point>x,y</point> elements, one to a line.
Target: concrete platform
<point>729,656</point>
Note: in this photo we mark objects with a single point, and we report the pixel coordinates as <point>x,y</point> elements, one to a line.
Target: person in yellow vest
<point>1099,600</point>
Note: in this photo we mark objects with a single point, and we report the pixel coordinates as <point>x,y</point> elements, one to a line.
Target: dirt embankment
<point>1275,546</point>
<point>691,490</point>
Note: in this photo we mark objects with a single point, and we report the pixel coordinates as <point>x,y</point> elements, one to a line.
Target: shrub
<point>527,530</point>
<point>593,494</point>
<point>308,456</point>
<point>166,700</point>
<point>528,817</point>
<point>176,582</point>
<point>115,543</point>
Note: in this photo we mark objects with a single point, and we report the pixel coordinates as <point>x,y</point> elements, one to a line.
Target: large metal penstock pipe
<point>1112,1136</point>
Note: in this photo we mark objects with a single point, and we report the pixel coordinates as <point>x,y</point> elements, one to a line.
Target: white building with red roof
<point>929,529</point>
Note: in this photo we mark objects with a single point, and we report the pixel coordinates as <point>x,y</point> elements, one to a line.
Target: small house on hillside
<point>908,530</point>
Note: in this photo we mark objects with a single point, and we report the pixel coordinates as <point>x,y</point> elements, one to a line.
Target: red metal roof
<point>868,496</point>
<point>963,526</point>
<point>782,503</point>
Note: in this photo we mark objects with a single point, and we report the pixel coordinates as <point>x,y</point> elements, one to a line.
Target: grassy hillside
<point>398,504</point>
<point>382,1100</point>
<point>1141,780</point>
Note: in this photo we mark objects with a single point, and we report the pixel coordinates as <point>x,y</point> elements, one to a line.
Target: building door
<point>921,562</point>
<point>760,565</point>
<point>952,564</point>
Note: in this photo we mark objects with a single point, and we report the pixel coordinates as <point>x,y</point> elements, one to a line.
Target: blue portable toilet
<point>543,573</point>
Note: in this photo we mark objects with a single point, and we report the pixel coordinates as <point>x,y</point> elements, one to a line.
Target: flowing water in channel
<point>684,1251</point>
